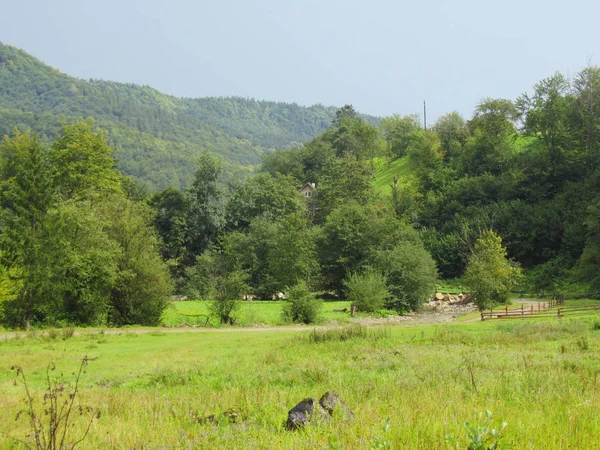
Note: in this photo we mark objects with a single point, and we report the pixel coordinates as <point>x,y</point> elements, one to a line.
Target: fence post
<point>559,311</point>
<point>522,310</point>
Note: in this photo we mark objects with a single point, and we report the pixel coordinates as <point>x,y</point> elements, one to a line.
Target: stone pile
<point>442,302</point>
<point>310,411</point>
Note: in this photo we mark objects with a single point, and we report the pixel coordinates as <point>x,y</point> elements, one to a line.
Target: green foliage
<point>26,242</point>
<point>402,134</point>
<point>262,194</point>
<point>82,163</point>
<point>367,289</point>
<point>227,290</point>
<point>143,285</point>
<point>490,275</point>
<point>410,272</point>
<point>301,306</point>
<point>481,435</point>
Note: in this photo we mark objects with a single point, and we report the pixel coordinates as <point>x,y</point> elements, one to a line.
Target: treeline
<point>157,137</point>
<point>260,236</point>
<point>76,244</point>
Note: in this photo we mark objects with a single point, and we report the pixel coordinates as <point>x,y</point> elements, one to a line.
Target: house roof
<point>309,185</point>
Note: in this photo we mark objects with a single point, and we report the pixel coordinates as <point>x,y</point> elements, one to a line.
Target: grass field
<point>255,313</point>
<point>409,387</point>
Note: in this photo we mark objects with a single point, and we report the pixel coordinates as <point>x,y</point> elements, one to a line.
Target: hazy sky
<point>382,56</point>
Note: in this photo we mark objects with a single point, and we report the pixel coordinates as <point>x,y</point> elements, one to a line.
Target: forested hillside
<point>157,137</point>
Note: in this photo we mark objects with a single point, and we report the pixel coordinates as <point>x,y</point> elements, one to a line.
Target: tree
<point>140,293</point>
<point>206,215</point>
<point>82,162</point>
<point>545,115</point>
<point>453,134</point>
<point>276,196</point>
<point>367,289</point>
<point>489,148</point>
<point>489,274</point>
<point>301,306</point>
<point>86,265</point>
<point>26,196</point>
<point>401,133</point>
<point>275,252</point>
<point>410,272</point>
<point>170,220</point>
<point>344,180</point>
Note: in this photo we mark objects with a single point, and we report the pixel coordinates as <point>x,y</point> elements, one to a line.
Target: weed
<point>52,334</point>
<point>67,333</point>
<point>51,425</point>
<point>380,442</point>
<point>347,333</point>
<point>583,343</point>
<point>480,435</point>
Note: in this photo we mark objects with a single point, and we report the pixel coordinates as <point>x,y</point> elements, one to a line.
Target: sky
<point>381,56</point>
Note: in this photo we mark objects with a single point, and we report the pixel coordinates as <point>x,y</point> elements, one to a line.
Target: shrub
<point>226,294</point>
<point>302,306</point>
<point>490,275</point>
<point>367,290</point>
<point>411,274</point>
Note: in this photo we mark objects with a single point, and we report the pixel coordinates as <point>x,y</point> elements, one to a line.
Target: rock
<point>446,298</point>
<point>305,412</point>
<point>439,296</point>
<point>333,404</point>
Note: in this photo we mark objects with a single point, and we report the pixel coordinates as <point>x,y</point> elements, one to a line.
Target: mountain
<point>157,136</point>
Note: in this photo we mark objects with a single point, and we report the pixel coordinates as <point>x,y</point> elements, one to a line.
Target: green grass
<point>255,313</point>
<point>408,387</point>
<point>384,176</point>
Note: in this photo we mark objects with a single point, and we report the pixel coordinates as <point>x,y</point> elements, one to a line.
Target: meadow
<point>409,387</point>
<point>255,313</point>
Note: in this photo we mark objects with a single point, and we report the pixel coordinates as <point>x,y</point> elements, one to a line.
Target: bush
<point>411,274</point>
<point>367,290</point>
<point>226,295</point>
<point>302,306</point>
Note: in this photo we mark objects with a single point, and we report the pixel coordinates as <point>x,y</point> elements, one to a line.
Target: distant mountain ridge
<point>157,136</point>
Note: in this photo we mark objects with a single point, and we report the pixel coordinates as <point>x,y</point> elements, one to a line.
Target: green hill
<point>384,176</point>
<point>157,136</point>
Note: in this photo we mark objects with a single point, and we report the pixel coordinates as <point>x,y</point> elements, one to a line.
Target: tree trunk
<point>28,312</point>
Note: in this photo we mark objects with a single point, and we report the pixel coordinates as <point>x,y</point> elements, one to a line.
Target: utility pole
<point>425,114</point>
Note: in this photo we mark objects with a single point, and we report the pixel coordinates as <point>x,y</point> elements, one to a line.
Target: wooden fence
<point>552,308</point>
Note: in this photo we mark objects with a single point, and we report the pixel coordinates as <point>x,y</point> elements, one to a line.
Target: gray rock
<point>333,404</point>
<point>305,412</point>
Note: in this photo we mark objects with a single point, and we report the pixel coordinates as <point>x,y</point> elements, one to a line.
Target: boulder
<point>439,296</point>
<point>333,404</point>
<point>305,412</point>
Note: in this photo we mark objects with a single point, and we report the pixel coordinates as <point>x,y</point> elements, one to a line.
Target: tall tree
<point>26,195</point>
<point>82,162</point>
<point>490,275</point>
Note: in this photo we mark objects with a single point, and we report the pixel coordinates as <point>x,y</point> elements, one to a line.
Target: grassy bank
<point>409,388</point>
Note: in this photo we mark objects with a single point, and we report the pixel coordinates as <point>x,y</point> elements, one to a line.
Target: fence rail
<point>552,308</point>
